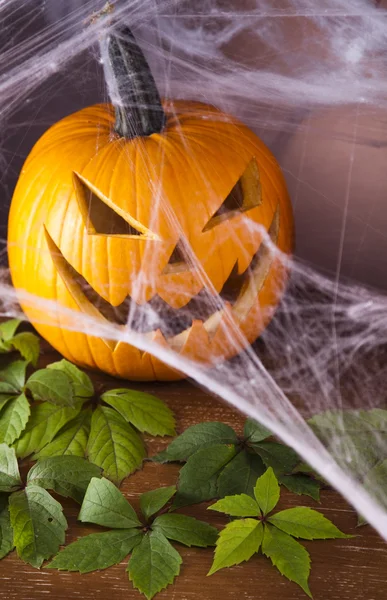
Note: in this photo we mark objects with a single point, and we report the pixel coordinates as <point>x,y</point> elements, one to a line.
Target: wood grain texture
<point>354,569</point>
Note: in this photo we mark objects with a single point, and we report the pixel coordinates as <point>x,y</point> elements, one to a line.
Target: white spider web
<point>307,77</point>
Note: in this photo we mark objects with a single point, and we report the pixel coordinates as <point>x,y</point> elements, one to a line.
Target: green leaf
<point>38,524</point>
<point>197,437</point>
<point>144,411</point>
<point>5,347</point>
<point>240,475</point>
<point>4,399</point>
<point>68,476</point>
<point>8,329</point>
<point>14,419</point>
<point>306,523</point>
<point>237,506</point>
<point>28,345</point>
<point>14,374</point>
<point>45,422</point>
<point>254,432</point>
<point>71,439</point>
<point>352,433</point>
<point>291,559</point>
<point>267,491</point>
<point>114,445</point>
<point>104,505</point>
<point>354,422</point>
<point>53,386</point>
<point>186,530</point>
<point>375,484</point>
<point>6,534</point>
<point>198,477</point>
<point>9,470</point>
<point>96,551</point>
<point>154,564</point>
<point>7,389</point>
<point>277,456</point>
<point>238,541</point>
<point>305,469</point>
<point>151,502</point>
<point>301,485</point>
<point>82,384</point>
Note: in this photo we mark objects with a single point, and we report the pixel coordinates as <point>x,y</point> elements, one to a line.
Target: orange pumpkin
<point>155,213</point>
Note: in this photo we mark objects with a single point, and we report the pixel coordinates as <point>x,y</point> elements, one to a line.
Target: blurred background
<point>334,157</point>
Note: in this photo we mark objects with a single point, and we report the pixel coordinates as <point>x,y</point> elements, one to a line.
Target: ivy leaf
<point>186,530</point>
<point>96,551</point>
<point>14,419</point>
<point>53,386</point>
<point>305,469</point>
<point>5,398</point>
<point>237,506</point>
<point>291,559</point>
<point>6,534</point>
<point>68,476</point>
<point>355,422</point>
<point>8,329</point>
<point>114,445</point>
<point>198,477</point>
<point>7,389</point>
<point>277,456</point>
<point>240,475</point>
<point>45,422</point>
<point>302,485</point>
<point>357,430</point>
<point>153,501</point>
<point>13,377</point>
<point>9,470</point>
<point>306,523</point>
<point>267,491</point>
<point>28,345</point>
<point>104,505</point>
<point>197,437</point>
<point>38,524</point>
<point>81,383</point>
<point>375,480</point>
<point>71,439</point>
<point>374,483</point>
<point>144,411</point>
<point>237,542</point>
<point>154,564</point>
<point>254,432</point>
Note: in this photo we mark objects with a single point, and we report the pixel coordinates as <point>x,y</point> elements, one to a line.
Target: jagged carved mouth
<point>239,291</point>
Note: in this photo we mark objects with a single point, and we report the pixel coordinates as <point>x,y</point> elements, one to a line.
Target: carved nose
<point>178,260</point>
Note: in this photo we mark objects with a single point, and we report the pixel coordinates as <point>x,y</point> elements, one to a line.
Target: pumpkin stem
<point>132,88</point>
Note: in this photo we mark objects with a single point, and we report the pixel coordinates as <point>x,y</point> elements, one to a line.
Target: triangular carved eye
<point>177,262</point>
<point>100,217</point>
<point>245,195</point>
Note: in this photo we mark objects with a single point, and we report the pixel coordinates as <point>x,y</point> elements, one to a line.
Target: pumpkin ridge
<point>55,287</point>
<point>209,150</point>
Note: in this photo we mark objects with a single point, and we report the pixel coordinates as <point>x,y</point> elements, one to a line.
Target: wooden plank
<point>353,569</point>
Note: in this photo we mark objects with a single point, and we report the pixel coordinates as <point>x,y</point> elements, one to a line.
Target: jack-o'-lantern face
<point>163,232</point>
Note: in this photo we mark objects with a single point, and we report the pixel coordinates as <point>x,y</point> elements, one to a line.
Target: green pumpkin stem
<point>132,88</point>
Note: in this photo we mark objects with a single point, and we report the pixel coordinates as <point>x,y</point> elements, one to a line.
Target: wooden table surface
<point>354,569</point>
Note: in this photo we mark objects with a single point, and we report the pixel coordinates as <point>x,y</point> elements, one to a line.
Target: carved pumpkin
<point>147,207</point>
